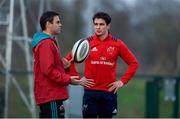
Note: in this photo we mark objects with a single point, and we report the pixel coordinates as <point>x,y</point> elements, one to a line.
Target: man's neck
<point>103,37</point>
<point>47,32</point>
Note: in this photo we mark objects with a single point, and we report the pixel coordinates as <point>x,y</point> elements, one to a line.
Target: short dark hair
<point>104,16</point>
<point>47,17</point>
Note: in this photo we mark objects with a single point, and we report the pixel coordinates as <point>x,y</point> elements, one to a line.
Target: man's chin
<point>98,34</point>
<point>58,32</point>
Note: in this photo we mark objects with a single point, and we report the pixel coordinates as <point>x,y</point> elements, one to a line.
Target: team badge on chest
<point>110,50</point>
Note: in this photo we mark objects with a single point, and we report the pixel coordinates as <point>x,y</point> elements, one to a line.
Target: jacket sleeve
<point>130,60</point>
<point>47,64</point>
<point>72,69</point>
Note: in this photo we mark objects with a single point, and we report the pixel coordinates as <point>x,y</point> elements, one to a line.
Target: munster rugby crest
<point>110,50</point>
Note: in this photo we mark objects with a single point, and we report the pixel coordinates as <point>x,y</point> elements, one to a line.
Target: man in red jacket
<point>100,100</point>
<point>51,81</point>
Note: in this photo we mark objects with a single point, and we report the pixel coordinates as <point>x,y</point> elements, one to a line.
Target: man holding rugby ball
<point>100,99</point>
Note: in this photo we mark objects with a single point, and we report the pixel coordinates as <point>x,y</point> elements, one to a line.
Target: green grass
<point>17,108</point>
<point>131,101</point>
<point>166,107</point>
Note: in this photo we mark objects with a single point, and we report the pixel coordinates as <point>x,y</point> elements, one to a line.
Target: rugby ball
<point>80,50</point>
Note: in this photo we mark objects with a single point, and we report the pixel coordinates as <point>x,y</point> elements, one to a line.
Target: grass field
<point>131,101</point>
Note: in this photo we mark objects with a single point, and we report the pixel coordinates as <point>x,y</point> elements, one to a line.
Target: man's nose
<point>98,26</point>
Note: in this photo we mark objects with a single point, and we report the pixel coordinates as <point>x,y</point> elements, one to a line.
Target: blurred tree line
<point>150,28</point>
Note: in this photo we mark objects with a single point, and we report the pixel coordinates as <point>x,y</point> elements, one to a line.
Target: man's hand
<point>66,63</point>
<point>74,80</point>
<point>83,81</point>
<point>115,86</point>
<point>86,82</point>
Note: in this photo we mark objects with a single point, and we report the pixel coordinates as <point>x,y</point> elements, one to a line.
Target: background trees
<point>150,28</point>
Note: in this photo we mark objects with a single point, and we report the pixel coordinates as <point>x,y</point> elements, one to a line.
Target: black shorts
<point>99,104</point>
<point>53,109</point>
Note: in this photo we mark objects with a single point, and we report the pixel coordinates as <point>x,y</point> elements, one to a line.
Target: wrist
<point>74,81</point>
<point>121,83</point>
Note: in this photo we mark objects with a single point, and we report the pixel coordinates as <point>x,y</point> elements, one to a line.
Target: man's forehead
<point>56,18</point>
<point>99,20</point>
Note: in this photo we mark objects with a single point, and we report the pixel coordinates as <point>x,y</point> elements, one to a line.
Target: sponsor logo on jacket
<point>102,62</point>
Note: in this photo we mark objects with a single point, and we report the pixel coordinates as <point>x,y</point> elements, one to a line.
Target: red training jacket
<point>100,65</point>
<point>50,79</point>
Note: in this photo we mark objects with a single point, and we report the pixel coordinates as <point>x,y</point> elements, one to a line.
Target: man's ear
<point>108,26</point>
<point>48,24</point>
